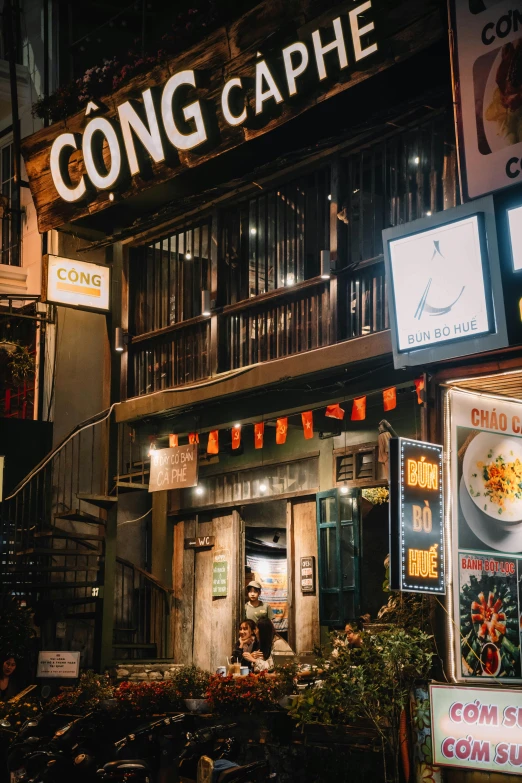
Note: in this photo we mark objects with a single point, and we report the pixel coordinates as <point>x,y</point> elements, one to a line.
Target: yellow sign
<point>77,284</point>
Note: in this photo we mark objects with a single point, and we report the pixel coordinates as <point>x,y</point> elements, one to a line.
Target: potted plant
<point>191,686</point>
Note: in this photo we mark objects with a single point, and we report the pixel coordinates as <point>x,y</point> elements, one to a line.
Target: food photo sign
<point>487,56</point>
<point>485,445</point>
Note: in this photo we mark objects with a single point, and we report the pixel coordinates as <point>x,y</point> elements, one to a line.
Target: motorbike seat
<point>238,773</point>
<point>112,766</point>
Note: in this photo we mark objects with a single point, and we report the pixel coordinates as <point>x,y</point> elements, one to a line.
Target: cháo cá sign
<point>173,468</point>
<point>166,121</point>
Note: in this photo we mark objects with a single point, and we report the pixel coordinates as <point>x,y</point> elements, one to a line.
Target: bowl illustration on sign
<point>490,660</point>
<point>492,474</point>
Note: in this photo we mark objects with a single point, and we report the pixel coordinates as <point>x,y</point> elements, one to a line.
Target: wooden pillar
<point>162,537</point>
<point>334,248</point>
<point>104,621</point>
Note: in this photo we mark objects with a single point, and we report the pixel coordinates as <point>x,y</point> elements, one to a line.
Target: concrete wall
<point>77,381</point>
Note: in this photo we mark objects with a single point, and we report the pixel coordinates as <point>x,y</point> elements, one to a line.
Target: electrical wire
<point>129,521</point>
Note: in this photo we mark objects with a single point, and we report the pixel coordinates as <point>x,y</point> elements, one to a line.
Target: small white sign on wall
<point>77,284</point>
<point>58,664</point>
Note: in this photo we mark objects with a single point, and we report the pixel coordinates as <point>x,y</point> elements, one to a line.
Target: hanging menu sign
<point>416,517</point>
<point>175,468</point>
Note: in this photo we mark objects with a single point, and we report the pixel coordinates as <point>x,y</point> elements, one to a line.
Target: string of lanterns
<point>335,411</point>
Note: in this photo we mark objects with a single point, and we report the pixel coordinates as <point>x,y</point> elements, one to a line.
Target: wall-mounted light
<point>188,255</point>
<point>290,279</point>
<point>205,302</point>
<point>199,490</point>
<point>119,339</point>
<point>325,264</point>
<point>344,490</point>
<point>263,487</point>
<point>253,231</point>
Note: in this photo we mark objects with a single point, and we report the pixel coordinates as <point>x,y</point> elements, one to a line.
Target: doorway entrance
<point>266,557</point>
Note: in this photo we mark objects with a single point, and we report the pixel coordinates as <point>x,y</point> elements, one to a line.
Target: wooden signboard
<point>274,63</point>
<point>175,468</point>
<point>200,542</point>
<point>308,575</point>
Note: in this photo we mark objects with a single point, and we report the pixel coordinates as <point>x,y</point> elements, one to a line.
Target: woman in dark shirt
<point>8,686</point>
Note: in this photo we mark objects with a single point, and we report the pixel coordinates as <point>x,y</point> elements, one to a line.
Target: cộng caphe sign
<point>477,728</point>
<point>240,82</point>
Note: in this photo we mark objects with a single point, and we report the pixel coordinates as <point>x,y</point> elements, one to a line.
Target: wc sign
<point>77,284</point>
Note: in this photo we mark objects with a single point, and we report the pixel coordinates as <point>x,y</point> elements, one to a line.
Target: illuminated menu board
<point>416,517</point>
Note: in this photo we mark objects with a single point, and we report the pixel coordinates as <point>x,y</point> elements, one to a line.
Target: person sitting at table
<point>270,645</point>
<point>247,642</point>
<point>352,638</point>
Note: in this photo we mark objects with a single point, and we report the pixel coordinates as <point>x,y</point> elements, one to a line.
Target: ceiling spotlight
<point>428,213</point>
<point>199,490</point>
<point>237,426</point>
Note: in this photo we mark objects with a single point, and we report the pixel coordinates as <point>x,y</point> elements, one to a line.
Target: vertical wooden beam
<point>124,371</point>
<point>104,621</point>
<point>215,234</point>
<point>335,166</point>
<point>292,569</point>
<point>162,536</point>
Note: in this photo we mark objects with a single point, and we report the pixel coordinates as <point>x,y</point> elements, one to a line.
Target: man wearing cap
<point>254,608</point>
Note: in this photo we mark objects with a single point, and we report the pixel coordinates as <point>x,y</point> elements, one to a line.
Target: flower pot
<point>197,705</point>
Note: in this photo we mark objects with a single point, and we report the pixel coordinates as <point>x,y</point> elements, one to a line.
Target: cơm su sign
<point>274,63</point>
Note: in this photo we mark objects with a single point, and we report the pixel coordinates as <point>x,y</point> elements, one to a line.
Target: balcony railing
<point>174,356</point>
<point>275,325</point>
<point>281,323</point>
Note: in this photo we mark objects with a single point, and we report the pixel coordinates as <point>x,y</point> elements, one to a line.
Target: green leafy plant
<point>90,690</point>
<point>190,682</point>
<point>371,684</point>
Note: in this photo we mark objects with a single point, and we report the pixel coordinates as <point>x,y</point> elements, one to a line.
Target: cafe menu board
<point>220,575</point>
<point>486,522</point>
<point>416,517</point>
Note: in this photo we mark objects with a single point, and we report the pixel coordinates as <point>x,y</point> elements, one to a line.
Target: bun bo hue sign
<point>478,728</point>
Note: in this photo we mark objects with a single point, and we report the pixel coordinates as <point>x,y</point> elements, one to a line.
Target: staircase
<point>53,553</point>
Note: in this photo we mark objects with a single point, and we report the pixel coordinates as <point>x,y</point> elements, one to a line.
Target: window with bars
<point>9,250</point>
<point>356,467</point>
<point>404,177</point>
<point>275,238</point>
<point>166,279</point>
